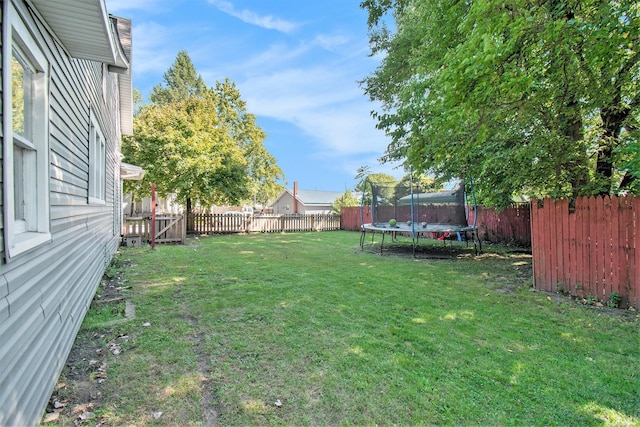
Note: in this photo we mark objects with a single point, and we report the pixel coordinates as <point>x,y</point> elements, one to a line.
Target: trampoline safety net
<point>430,207</point>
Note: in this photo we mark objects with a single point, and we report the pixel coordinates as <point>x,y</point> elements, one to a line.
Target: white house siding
<point>45,293</point>
<point>310,202</point>
<point>284,204</point>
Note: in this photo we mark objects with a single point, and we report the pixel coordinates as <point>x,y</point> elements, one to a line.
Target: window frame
<point>97,187</point>
<point>23,235</point>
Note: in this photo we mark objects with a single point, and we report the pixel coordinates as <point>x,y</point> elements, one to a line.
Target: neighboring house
<point>167,205</point>
<point>296,201</point>
<point>66,102</point>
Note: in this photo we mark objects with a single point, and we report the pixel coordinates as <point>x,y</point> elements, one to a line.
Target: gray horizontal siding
<point>1,154</point>
<point>45,293</point>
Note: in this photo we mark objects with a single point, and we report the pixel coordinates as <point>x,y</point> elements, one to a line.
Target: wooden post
<point>153,216</point>
<point>184,227</point>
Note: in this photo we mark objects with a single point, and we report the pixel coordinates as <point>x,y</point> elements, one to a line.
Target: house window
<point>27,152</point>
<point>97,165</point>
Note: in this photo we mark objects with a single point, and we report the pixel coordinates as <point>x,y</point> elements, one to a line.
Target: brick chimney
<point>295,197</point>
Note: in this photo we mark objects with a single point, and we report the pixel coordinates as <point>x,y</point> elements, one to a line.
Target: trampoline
<point>419,212</point>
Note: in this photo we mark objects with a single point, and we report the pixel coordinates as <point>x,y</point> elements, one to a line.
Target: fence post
<point>184,227</point>
<point>153,216</point>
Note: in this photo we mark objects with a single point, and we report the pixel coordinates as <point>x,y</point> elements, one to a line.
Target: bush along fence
<point>511,225</point>
<point>230,223</point>
<point>589,248</point>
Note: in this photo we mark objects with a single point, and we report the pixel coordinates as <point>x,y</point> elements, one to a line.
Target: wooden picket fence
<point>229,223</point>
<point>589,249</point>
<point>169,228</point>
<point>511,225</point>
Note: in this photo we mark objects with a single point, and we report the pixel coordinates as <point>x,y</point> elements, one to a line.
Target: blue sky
<point>296,64</point>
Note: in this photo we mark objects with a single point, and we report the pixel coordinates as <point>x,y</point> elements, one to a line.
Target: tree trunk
<point>573,130</point>
<point>612,121</point>
<point>627,181</point>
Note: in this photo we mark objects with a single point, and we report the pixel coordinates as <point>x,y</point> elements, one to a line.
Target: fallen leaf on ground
<point>87,416</point>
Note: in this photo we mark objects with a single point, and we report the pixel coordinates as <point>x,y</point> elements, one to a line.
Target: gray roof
<point>312,197</point>
<point>317,197</point>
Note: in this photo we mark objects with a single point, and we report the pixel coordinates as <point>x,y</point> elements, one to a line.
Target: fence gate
<point>169,228</point>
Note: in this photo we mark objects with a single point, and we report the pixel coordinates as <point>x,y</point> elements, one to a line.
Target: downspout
<point>295,197</point>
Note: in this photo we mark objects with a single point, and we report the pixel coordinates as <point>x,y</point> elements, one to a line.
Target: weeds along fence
<point>589,249</point>
<point>230,223</point>
<point>511,225</point>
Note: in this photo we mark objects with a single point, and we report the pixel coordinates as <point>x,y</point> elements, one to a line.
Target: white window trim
<point>18,240</point>
<point>97,163</point>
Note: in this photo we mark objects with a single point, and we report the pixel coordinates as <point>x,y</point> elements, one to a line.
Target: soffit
<point>83,27</point>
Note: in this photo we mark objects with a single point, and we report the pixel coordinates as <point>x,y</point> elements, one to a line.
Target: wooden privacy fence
<point>169,228</point>
<point>590,248</point>
<point>511,225</point>
<point>229,223</point>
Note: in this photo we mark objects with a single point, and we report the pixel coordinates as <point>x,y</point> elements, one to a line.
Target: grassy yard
<point>306,329</point>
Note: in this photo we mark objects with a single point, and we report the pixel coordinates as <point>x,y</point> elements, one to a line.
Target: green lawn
<point>306,329</point>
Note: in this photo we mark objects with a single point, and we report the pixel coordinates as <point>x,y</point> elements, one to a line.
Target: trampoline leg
<point>477,244</point>
<point>382,243</point>
<point>362,237</point>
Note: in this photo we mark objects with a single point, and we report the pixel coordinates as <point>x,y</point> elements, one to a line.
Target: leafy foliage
<point>200,144</point>
<point>384,183</point>
<point>347,199</point>
<point>528,98</point>
<point>181,82</point>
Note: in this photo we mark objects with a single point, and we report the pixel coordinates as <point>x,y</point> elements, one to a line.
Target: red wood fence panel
<point>512,225</point>
<point>588,248</point>
<point>350,217</point>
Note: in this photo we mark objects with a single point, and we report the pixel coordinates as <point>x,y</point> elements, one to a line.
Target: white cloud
<point>325,103</point>
<point>330,42</point>
<point>281,55</point>
<point>265,21</point>
<point>289,93</point>
<point>150,51</point>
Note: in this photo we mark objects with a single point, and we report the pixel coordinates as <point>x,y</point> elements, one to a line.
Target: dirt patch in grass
<point>515,268</point>
<point>78,392</point>
<point>228,344</point>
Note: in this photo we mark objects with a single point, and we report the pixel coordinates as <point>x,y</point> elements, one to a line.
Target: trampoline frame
<point>423,228</point>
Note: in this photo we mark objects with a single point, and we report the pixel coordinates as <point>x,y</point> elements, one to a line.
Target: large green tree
<point>536,97</point>
<point>181,82</point>
<point>384,183</point>
<point>347,199</point>
<point>200,144</point>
